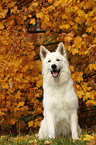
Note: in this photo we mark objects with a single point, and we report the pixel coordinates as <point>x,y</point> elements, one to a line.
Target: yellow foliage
<point>14,9</point>
<point>50,8</point>
<point>9,23</point>
<point>79,77</point>
<point>89,4</point>
<point>74,51</point>
<point>80,13</point>
<point>91,102</point>
<point>86,137</point>
<point>66,26</point>
<point>40,15</point>
<point>18,94</point>
<point>20,104</point>
<point>77,40</point>
<point>39,81</point>
<point>3,13</point>
<point>5,85</point>
<point>46,18</point>
<point>37,123</point>
<point>50,1</point>
<point>1,26</point>
<point>57,3</point>
<point>35,4</point>
<point>87,95</point>
<point>72,68</point>
<point>89,29</point>
<point>80,94</point>
<point>1,113</point>
<point>32,21</point>
<point>92,67</point>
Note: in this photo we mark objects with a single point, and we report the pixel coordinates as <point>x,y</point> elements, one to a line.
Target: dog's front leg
<point>74,125</point>
<point>50,125</point>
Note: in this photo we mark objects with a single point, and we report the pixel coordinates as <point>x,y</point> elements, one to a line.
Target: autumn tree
<point>70,21</point>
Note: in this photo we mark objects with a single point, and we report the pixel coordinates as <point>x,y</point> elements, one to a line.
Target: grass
<point>30,140</point>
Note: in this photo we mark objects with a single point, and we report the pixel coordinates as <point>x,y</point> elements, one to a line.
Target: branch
<point>48,44</point>
<point>89,76</point>
<point>43,31</point>
<point>82,109</point>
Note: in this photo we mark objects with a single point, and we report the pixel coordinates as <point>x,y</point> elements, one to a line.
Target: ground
<point>85,139</point>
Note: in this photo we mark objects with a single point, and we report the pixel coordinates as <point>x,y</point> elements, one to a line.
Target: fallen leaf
<point>31,141</point>
<point>47,142</point>
<point>87,137</point>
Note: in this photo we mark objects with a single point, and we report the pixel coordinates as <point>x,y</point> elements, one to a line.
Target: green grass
<point>29,140</point>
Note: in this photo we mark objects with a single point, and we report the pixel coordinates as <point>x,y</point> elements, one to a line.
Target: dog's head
<point>54,63</point>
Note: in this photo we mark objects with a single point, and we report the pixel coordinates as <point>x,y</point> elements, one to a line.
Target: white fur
<point>60,100</point>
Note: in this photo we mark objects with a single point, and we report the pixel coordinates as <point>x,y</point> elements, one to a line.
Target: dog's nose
<point>53,66</point>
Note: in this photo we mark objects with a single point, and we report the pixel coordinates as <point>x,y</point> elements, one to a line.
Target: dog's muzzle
<point>55,72</point>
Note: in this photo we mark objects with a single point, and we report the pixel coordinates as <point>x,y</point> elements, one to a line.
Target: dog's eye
<point>49,60</point>
<point>57,59</point>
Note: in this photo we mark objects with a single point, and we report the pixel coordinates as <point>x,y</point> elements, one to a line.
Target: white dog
<point>60,100</point>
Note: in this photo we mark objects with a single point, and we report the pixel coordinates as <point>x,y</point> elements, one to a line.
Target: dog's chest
<point>56,99</point>
<point>58,103</point>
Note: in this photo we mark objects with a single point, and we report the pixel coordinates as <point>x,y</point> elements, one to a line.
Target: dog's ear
<point>43,52</point>
<point>61,49</point>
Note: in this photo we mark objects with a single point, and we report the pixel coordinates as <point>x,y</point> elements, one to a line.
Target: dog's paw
<point>51,136</point>
<point>75,136</point>
<point>40,136</point>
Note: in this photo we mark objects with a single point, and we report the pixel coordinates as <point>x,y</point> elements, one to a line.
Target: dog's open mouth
<point>55,72</point>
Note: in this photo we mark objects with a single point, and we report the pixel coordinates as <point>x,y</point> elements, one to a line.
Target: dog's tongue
<point>55,74</point>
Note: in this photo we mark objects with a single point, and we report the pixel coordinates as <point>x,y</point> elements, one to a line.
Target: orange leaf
<point>5,85</point>
<point>66,26</point>
<point>40,15</point>
<point>74,51</point>
<point>87,95</point>
<point>37,123</point>
<point>80,78</point>
<point>33,21</point>
<point>72,68</point>
<point>80,13</point>
<point>20,104</point>
<point>14,9</point>
<point>50,1</point>
<point>3,13</point>
<point>1,26</point>
<point>92,66</point>
<point>10,23</point>
<point>80,94</point>
<point>13,121</point>
<point>91,102</point>
<point>1,113</point>
<point>18,94</point>
<point>30,123</point>
<point>89,29</point>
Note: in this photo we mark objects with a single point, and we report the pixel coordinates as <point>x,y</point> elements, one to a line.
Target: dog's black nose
<point>53,66</point>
